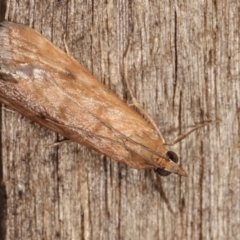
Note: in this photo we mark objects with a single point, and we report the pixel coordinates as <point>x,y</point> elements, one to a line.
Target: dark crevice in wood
<point>3,194</point>
<point>175,55</point>
<point>201,180</point>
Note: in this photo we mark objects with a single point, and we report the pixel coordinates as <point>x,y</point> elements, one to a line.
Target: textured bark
<point>184,69</point>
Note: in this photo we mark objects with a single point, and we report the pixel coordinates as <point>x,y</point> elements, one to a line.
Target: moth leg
<point>65,44</point>
<point>57,143</point>
<point>134,100</point>
<point>163,195</point>
<point>184,135</point>
<point>8,109</point>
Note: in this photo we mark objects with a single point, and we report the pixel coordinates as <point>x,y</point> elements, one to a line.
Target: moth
<point>48,86</point>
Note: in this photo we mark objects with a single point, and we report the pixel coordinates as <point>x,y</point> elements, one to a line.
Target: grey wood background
<point>184,69</point>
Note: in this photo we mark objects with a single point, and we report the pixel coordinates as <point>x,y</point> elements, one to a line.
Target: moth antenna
<point>134,100</point>
<point>184,135</point>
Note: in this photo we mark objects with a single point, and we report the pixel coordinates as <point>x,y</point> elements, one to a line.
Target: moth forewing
<point>51,88</point>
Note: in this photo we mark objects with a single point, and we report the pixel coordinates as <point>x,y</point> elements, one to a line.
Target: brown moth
<point>51,88</point>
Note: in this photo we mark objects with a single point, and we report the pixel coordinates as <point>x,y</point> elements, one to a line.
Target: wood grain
<point>184,69</point>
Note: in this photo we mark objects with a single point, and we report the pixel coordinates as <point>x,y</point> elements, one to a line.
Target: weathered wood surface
<point>184,69</point>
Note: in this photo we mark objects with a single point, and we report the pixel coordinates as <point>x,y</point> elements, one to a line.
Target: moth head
<point>173,157</point>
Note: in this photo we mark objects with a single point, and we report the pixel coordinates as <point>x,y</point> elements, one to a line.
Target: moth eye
<point>173,156</point>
